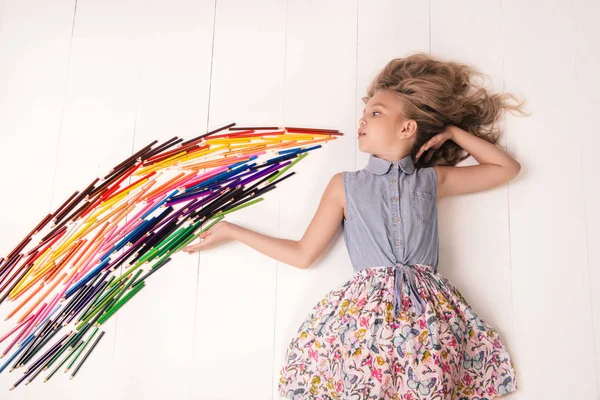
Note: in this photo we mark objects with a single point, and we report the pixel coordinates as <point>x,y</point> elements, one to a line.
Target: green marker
<point>63,361</point>
<point>81,349</point>
<point>124,300</point>
<point>288,167</point>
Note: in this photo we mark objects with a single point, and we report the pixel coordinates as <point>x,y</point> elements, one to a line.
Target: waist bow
<point>401,272</point>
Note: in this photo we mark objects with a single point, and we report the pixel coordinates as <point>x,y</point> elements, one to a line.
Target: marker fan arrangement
<point>139,215</point>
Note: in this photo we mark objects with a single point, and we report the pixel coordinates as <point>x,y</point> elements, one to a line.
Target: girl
<point>398,329</point>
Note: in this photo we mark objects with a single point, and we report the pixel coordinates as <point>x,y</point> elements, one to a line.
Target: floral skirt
<point>351,346</point>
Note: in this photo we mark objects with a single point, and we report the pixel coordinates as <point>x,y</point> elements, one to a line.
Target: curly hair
<point>437,93</point>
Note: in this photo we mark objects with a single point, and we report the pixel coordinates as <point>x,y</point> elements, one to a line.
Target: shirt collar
<point>379,166</point>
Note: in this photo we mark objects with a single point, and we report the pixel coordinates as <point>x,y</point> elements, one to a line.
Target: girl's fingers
<point>194,247</point>
<point>435,143</point>
<point>430,154</point>
<point>191,247</point>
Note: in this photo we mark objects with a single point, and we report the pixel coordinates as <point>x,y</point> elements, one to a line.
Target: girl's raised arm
<point>496,166</point>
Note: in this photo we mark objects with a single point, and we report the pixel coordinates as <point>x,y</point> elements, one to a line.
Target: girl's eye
<point>375,112</point>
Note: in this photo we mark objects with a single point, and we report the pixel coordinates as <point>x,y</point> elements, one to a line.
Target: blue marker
<point>20,349</point>
<point>86,278</point>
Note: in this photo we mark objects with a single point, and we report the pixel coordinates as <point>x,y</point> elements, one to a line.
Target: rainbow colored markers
<point>66,285</point>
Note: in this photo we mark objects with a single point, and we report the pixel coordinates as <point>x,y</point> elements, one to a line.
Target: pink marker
<point>15,340</point>
<point>15,328</point>
<point>208,175</point>
<point>110,233</point>
<point>135,219</point>
<point>50,307</point>
<point>38,318</point>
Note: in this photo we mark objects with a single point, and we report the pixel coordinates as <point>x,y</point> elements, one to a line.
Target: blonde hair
<point>438,93</point>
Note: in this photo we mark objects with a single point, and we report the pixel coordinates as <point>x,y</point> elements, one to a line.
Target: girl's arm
<point>302,253</point>
<point>496,166</point>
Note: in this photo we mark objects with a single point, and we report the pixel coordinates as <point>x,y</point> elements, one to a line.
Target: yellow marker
<point>42,259</point>
<point>78,234</point>
<point>117,209</point>
<point>226,141</point>
<point>201,153</point>
<point>24,279</point>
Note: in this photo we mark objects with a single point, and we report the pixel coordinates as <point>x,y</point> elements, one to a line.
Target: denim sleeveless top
<point>392,220</point>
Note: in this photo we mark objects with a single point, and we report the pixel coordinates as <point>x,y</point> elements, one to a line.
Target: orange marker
<point>13,312</point>
<point>166,184</point>
<point>50,289</point>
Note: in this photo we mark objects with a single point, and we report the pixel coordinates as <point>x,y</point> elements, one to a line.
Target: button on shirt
<point>392,219</point>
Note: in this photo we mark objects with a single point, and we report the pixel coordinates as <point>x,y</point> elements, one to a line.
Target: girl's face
<point>382,129</point>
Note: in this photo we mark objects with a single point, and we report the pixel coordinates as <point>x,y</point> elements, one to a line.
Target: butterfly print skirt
<point>352,346</point>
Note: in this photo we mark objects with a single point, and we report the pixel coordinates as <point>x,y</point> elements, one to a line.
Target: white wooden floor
<point>84,83</point>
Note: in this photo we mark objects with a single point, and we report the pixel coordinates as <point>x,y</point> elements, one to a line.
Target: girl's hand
<point>220,232</point>
<point>436,142</point>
